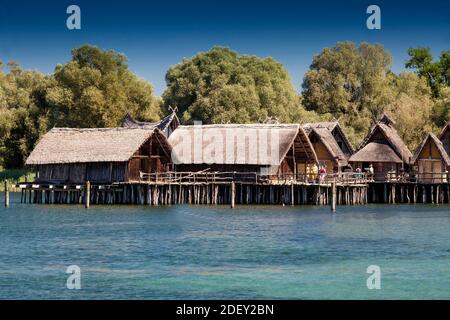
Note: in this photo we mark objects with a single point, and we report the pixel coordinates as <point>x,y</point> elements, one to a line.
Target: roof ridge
<point>243,125</point>
<point>98,129</point>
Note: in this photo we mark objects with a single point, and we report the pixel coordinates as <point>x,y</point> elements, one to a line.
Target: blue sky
<point>157,34</point>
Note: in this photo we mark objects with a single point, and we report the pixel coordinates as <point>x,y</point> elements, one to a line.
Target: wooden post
<point>233,191</point>
<point>6,194</point>
<point>415,191</point>
<point>448,193</point>
<point>292,194</point>
<point>333,196</point>
<point>87,194</point>
<point>437,194</point>
<point>432,194</point>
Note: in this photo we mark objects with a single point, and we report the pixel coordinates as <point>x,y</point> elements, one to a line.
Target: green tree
<point>411,108</point>
<point>23,115</point>
<point>96,89</point>
<point>349,82</point>
<point>441,109</point>
<point>437,73</point>
<point>221,86</point>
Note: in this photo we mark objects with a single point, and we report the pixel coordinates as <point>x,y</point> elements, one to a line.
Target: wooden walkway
<point>231,188</point>
<point>211,188</point>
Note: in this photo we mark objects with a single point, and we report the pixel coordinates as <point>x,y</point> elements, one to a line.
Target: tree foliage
<point>441,109</point>
<point>22,113</point>
<point>411,107</point>
<point>221,86</point>
<point>355,84</point>
<point>350,83</point>
<point>96,89</point>
<point>437,73</point>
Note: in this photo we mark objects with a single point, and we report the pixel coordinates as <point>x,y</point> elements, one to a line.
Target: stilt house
<point>66,155</point>
<point>384,149</point>
<point>331,145</point>
<point>267,148</point>
<point>431,161</point>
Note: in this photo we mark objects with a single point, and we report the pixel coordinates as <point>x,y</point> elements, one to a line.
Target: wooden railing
<point>430,177</point>
<point>423,177</point>
<point>252,177</point>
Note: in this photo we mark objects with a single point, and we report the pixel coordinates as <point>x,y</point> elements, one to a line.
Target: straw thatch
<point>445,137</point>
<point>326,131</point>
<point>376,152</point>
<point>234,144</point>
<point>129,122</point>
<point>440,147</point>
<point>330,125</point>
<point>383,134</point>
<point>331,145</point>
<point>67,145</point>
<point>445,130</point>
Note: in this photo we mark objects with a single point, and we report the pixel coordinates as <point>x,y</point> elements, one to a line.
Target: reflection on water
<point>214,252</point>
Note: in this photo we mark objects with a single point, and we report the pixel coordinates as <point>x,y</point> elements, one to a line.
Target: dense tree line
<point>94,89</point>
<point>355,84</point>
<point>351,83</point>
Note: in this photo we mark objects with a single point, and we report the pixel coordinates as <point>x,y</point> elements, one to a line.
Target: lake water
<point>189,252</point>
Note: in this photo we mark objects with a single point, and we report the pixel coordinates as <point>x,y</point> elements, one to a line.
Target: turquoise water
<point>188,252</point>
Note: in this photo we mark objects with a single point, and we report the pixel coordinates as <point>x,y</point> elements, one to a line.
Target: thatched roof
<point>331,145</point>
<point>130,122</point>
<point>68,145</point>
<point>432,138</point>
<point>251,144</point>
<point>386,119</point>
<point>330,125</point>
<point>375,152</point>
<point>444,130</point>
<point>385,127</point>
<point>445,137</point>
<point>323,130</point>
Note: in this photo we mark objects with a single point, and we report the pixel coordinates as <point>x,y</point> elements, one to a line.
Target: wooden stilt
<point>233,191</point>
<point>432,194</point>
<point>333,196</point>
<point>292,194</point>
<point>448,193</point>
<point>87,194</point>
<point>6,194</point>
